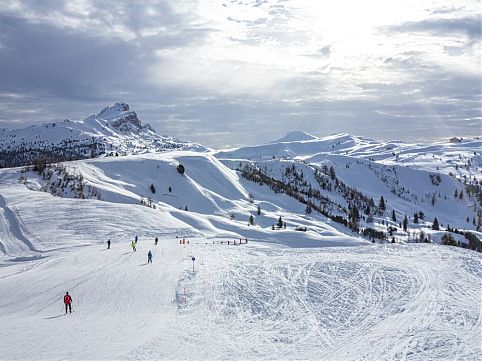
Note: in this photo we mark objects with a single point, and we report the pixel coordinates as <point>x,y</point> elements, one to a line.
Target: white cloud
<point>198,58</point>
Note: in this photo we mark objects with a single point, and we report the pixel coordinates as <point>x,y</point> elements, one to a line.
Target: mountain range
<point>114,130</point>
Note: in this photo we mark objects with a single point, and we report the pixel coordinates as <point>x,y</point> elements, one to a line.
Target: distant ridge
<point>295,136</point>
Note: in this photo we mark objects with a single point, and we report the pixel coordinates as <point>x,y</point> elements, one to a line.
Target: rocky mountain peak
<point>113,111</point>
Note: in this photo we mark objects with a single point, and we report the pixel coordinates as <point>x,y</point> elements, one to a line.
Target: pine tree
<point>180,168</point>
<point>332,173</point>
<point>280,222</point>
<point>448,240</point>
<point>405,223</point>
<point>381,204</point>
<point>308,209</point>
<point>152,188</point>
<point>258,212</point>
<point>251,219</point>
<point>394,217</point>
<point>435,225</point>
<point>415,217</point>
<point>354,217</point>
<point>456,194</point>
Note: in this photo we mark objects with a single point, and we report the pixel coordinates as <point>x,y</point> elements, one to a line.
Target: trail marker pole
<point>193,259</point>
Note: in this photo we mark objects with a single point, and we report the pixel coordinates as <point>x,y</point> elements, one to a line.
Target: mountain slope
<point>346,176</point>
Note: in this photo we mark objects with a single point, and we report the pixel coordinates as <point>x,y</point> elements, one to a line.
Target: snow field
<point>254,301</point>
<point>394,302</point>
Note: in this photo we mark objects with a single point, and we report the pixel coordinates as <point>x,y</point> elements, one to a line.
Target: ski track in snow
<point>245,302</point>
<point>385,303</point>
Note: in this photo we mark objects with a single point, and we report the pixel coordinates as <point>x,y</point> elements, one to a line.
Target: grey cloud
<point>445,10</point>
<point>467,25</point>
<point>223,121</point>
<point>325,51</point>
<point>44,64</point>
<point>42,59</point>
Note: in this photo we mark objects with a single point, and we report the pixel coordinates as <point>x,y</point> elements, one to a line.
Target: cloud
<point>218,73</point>
<point>446,10</point>
<point>470,26</point>
<point>45,64</point>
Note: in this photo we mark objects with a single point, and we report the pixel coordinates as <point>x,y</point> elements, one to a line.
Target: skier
<point>108,244</point>
<point>68,302</point>
<point>155,241</point>
<point>149,257</point>
<point>135,240</point>
<point>133,245</point>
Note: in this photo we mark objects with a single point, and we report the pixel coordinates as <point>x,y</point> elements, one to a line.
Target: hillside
<point>346,176</point>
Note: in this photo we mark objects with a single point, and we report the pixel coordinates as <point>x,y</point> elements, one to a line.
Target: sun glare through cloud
<point>346,66</point>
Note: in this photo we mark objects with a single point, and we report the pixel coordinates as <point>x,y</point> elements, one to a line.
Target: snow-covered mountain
<point>115,130</point>
<point>284,267</point>
<point>335,174</point>
<point>462,158</point>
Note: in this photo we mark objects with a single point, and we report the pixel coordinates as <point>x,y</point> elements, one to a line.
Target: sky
<point>232,73</point>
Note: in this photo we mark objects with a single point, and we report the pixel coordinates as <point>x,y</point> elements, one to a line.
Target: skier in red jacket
<point>68,302</point>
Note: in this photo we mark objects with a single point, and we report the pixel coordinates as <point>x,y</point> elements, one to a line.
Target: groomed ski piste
<point>320,294</point>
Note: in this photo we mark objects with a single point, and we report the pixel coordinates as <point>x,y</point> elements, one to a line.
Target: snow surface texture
<point>326,293</point>
<point>392,302</point>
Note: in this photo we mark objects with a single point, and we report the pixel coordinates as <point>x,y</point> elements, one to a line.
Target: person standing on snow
<point>108,244</point>
<point>68,302</point>
<point>135,240</point>
<point>149,257</point>
<point>133,245</point>
<point>155,241</point>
